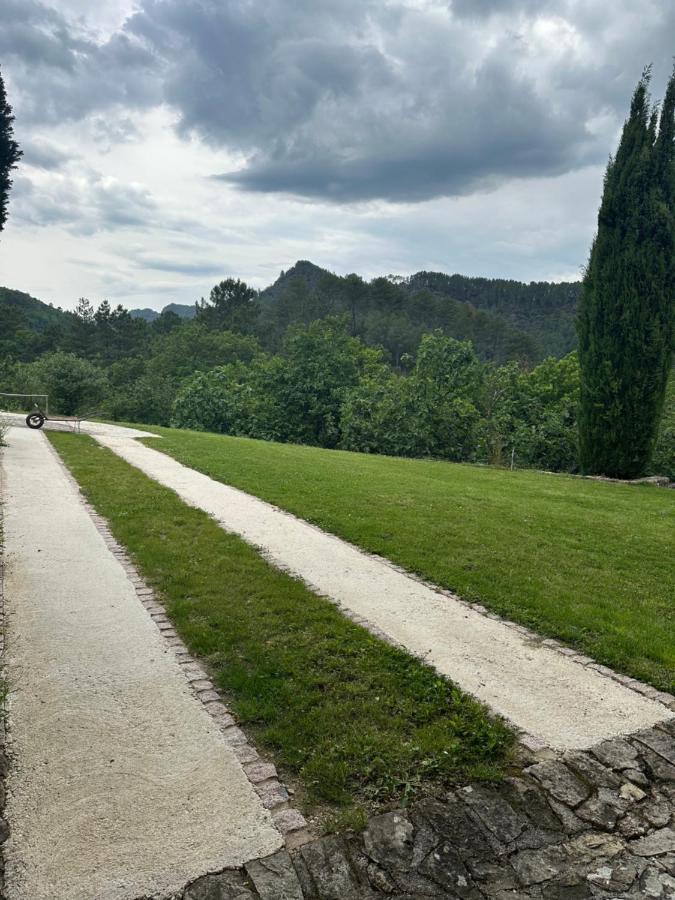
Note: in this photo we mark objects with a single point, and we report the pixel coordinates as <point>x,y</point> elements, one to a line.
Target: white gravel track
<point>544,693</point>
<point>122,785</point>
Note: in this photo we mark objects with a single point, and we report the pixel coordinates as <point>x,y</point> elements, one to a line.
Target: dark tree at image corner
<point>625,319</point>
<point>10,153</point>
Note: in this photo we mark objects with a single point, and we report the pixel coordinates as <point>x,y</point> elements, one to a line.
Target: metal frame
<point>74,421</point>
<point>30,396</point>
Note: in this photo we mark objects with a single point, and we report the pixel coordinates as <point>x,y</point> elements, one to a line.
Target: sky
<point>169,144</point>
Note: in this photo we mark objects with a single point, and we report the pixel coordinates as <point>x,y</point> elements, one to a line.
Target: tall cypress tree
<point>10,153</point>
<point>626,315</point>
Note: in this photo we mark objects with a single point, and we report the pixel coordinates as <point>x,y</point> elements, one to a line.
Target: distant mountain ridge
<point>27,323</point>
<point>182,310</point>
<point>543,309</point>
<point>35,314</point>
<point>527,320</point>
<point>504,319</point>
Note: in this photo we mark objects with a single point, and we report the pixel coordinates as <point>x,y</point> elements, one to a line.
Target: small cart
<point>37,418</point>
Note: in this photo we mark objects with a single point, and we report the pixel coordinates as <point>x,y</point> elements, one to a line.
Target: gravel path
<point>122,784</point>
<point>541,691</point>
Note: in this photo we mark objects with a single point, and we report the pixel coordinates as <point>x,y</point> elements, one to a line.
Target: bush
<point>548,437</point>
<point>321,363</point>
<point>213,401</point>
<point>328,389</point>
<point>446,384</point>
<point>147,399</point>
<point>531,416</point>
<point>74,385</point>
<point>380,416</point>
<point>432,412</point>
<point>296,396</point>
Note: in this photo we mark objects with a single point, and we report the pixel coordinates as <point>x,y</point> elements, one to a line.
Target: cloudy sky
<point>171,143</point>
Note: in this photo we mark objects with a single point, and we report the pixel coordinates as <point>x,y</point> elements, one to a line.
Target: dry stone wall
<point>578,826</point>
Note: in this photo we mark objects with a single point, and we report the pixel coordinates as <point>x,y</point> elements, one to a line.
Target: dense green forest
<point>503,319</point>
<point>543,310</point>
<point>432,365</point>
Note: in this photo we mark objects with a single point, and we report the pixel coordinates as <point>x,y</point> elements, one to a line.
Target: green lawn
<point>355,721</point>
<point>588,562</point>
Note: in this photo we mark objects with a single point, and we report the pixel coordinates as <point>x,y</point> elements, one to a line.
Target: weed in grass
<point>354,819</point>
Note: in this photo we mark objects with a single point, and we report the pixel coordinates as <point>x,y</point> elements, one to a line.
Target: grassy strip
<point>356,720</point>
<point>587,562</point>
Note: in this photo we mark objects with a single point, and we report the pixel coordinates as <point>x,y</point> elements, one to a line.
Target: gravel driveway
<point>122,785</point>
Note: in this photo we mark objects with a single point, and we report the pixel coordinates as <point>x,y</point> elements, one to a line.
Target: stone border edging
<point>261,774</point>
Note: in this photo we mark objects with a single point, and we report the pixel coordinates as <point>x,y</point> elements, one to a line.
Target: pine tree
<point>10,153</point>
<point>626,315</point>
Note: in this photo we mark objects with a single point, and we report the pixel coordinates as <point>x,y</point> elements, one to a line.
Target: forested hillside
<point>28,327</point>
<point>396,366</point>
<point>503,319</point>
<point>542,309</point>
<point>38,316</point>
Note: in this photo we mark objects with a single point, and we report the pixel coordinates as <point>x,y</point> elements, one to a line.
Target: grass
<point>357,722</point>
<point>588,562</point>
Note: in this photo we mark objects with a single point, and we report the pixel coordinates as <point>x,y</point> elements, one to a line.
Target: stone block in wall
<point>328,865</point>
<point>229,885</point>
<point>274,877</point>
<point>560,782</point>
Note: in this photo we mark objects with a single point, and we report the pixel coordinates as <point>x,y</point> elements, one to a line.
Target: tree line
<point>504,320</point>
<point>323,386</point>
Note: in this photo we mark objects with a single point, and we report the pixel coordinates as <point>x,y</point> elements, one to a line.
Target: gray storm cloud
<point>358,99</point>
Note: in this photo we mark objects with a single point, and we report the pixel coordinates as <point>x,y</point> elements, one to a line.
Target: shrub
<point>74,385</point>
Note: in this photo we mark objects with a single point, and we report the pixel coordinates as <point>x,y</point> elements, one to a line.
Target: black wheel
<point>35,420</point>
